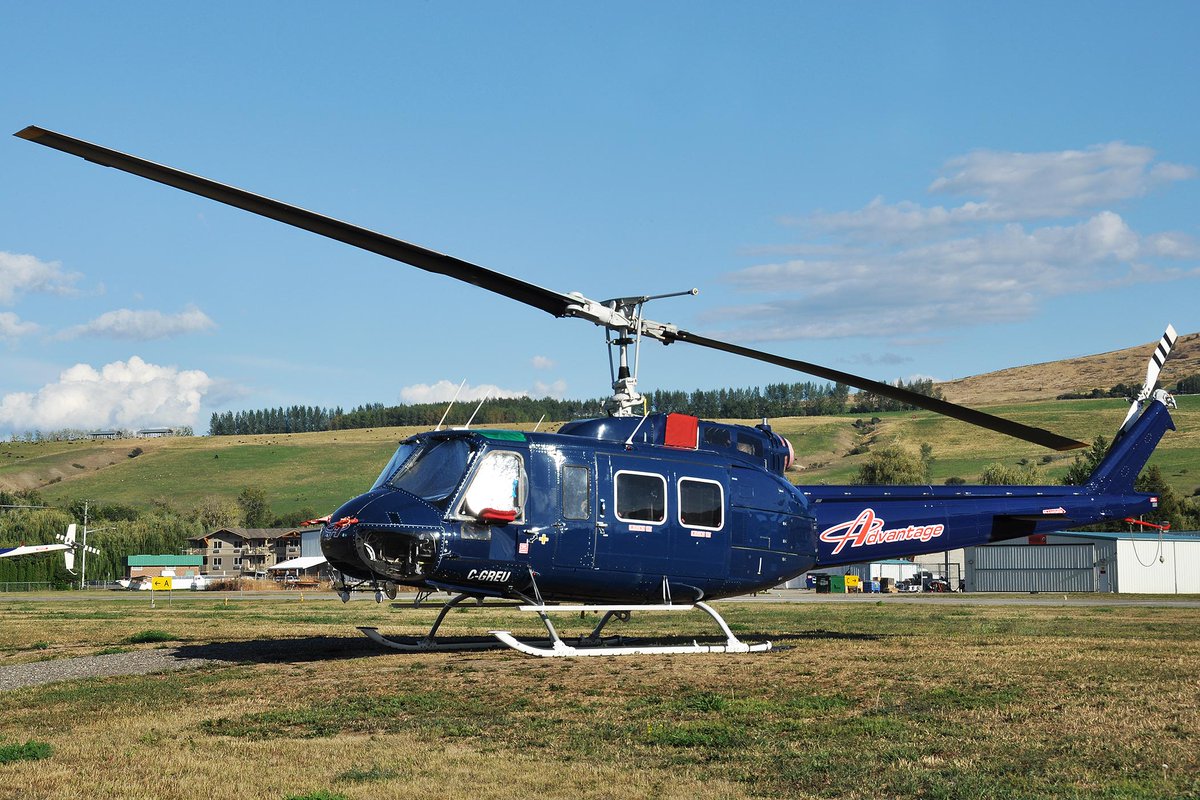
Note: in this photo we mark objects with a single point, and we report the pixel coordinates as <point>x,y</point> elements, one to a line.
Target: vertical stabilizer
<point>1131,450</point>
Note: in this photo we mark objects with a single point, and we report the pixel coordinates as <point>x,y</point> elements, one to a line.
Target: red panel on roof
<point>682,431</point>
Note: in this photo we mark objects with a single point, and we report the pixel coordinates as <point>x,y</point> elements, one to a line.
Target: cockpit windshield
<point>397,460</point>
<point>433,471</point>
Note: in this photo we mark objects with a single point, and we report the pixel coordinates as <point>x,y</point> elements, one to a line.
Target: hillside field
<point>320,470</point>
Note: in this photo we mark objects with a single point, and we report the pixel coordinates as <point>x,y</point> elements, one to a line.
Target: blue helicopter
<point>648,512</point>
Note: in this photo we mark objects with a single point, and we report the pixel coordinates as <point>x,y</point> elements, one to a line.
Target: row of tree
<point>1189,385</point>
<point>75,434</point>
<point>775,400</point>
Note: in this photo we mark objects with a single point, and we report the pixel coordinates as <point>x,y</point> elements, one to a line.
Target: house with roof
<point>250,552</point>
<point>154,566</point>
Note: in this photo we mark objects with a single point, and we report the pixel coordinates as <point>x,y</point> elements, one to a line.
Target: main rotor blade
<point>983,420</point>
<point>536,296</point>
<point>430,260</point>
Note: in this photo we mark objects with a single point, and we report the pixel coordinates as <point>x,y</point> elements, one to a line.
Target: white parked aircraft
<point>67,545</point>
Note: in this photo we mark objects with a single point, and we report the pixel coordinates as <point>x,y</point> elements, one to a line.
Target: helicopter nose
<point>386,532</point>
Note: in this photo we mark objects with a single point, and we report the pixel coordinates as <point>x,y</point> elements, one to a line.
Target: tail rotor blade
<point>1161,353</point>
<point>1159,357</point>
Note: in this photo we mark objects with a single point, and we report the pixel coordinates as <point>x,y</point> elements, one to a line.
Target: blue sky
<point>899,190</point>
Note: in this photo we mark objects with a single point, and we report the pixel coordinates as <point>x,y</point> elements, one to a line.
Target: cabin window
<point>498,486</point>
<point>576,493</point>
<point>701,503</point>
<point>718,437</point>
<point>641,497</point>
<point>750,445</point>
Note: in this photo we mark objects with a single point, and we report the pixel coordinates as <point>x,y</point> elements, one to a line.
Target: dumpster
<point>821,582</point>
<point>837,584</point>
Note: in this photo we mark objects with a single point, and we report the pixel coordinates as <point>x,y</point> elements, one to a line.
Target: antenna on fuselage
<point>539,424</point>
<point>447,411</point>
<point>482,400</point>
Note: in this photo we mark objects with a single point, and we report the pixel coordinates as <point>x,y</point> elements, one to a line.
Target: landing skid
<point>554,647</point>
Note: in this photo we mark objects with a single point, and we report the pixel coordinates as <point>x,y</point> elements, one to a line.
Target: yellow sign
<point>160,584</point>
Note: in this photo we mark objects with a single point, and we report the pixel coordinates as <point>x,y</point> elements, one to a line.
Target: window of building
<point>576,493</point>
<point>701,503</point>
<point>641,497</point>
<point>216,562</point>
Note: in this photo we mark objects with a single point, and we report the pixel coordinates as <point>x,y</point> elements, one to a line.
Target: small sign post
<point>160,584</point>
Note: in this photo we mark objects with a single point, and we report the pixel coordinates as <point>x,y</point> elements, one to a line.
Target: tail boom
<point>869,523</point>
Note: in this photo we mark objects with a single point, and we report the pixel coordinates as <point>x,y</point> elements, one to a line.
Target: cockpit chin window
<point>433,471</point>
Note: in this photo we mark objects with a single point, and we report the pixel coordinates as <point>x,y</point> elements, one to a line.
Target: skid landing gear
<point>591,645</point>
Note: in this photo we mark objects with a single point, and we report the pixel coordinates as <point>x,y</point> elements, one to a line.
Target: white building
<point>1078,561</point>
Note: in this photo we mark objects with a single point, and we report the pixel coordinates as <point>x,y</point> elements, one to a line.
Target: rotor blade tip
<point>30,132</point>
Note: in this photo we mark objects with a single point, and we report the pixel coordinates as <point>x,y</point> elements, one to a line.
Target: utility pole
<point>83,562</point>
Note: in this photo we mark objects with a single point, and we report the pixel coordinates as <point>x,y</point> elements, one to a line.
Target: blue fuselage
<point>607,511</point>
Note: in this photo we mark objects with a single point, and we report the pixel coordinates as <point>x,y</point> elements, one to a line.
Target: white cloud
<point>123,394</point>
<point>542,362</point>
<point>557,389</point>
<point>25,273</point>
<point>903,269</point>
<point>142,325</point>
<point>1059,183</point>
<point>1013,187</point>
<point>12,328</point>
<point>443,392</point>
<point>1000,274</point>
<point>878,359</point>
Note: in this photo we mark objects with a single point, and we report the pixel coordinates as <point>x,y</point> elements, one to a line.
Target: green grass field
<point>861,700</point>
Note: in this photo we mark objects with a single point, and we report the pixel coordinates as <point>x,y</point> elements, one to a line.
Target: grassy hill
<point>1047,381</point>
<point>320,470</point>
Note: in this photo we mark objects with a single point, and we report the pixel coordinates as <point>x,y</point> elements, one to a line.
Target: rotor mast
<point>624,325</point>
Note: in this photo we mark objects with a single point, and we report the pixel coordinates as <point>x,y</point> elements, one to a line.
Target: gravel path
<point>137,662</point>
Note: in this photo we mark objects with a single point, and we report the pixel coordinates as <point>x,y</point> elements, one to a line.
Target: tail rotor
<point>68,539</point>
<point>1161,352</point>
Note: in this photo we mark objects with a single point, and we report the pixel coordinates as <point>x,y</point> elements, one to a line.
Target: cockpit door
<point>574,529</point>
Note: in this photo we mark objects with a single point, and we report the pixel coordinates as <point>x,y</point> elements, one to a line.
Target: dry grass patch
<point>864,700</point>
